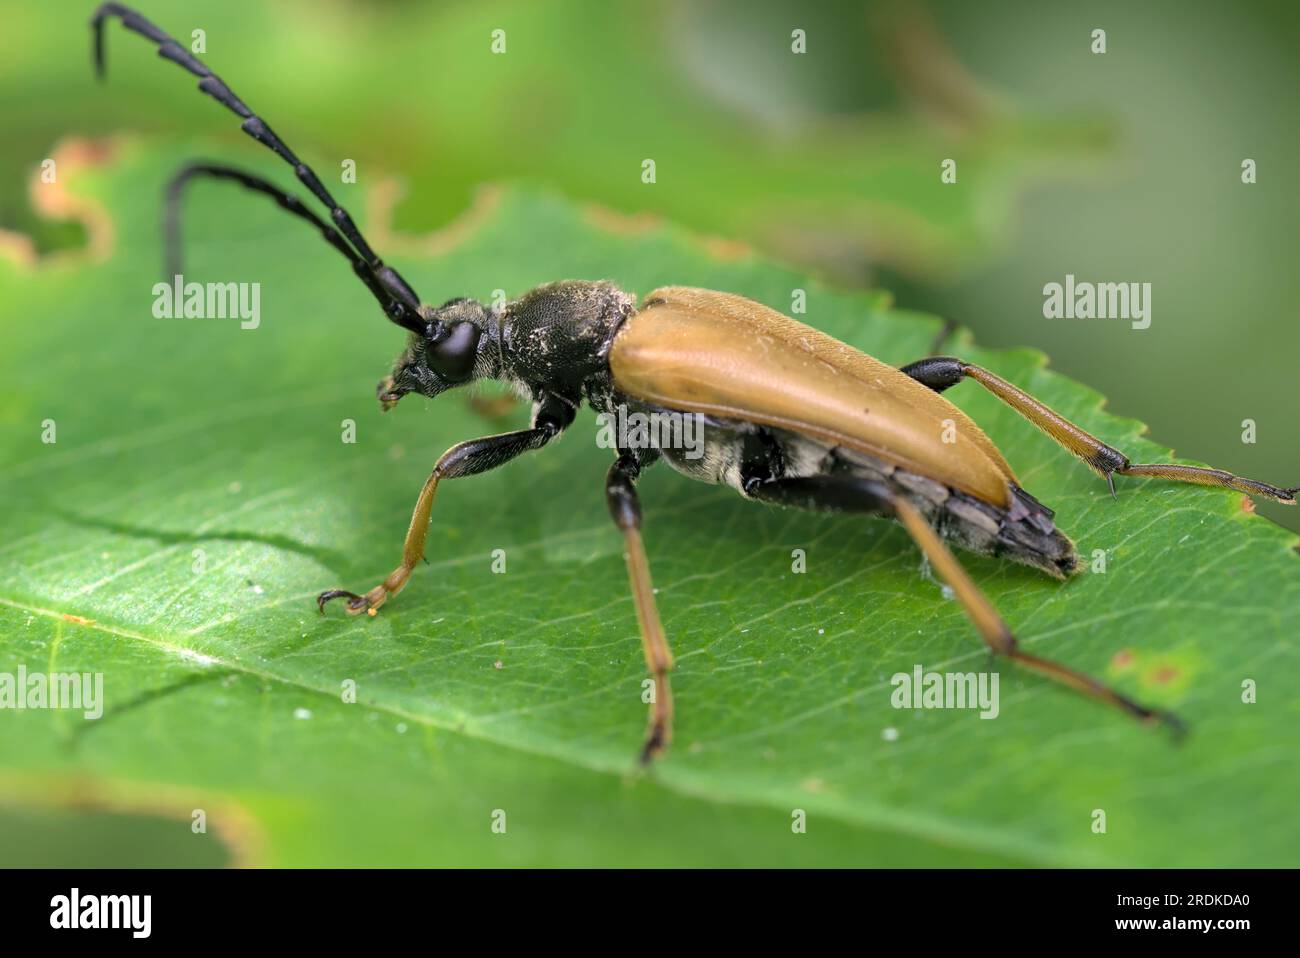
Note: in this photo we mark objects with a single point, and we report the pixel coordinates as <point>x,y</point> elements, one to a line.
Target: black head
<point>550,341</point>
<point>445,354</point>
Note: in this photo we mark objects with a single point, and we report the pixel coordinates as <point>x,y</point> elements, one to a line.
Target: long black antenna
<point>400,302</point>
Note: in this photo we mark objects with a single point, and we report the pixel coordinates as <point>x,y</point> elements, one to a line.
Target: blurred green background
<point>1116,167</point>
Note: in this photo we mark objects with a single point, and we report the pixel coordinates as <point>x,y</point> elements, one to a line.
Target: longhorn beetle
<point>791,416</point>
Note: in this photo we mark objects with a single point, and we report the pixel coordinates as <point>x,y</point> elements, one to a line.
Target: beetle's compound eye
<point>452,350</point>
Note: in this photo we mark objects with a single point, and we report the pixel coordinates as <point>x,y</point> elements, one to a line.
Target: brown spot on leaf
<point>1122,659</point>
<point>55,201</point>
<point>78,619</point>
<point>383,199</point>
<point>614,221</point>
<point>17,248</point>
<point>494,407</point>
<point>1247,504</point>
<point>236,828</point>
<point>1164,675</point>
<point>636,224</point>
<point>727,249</point>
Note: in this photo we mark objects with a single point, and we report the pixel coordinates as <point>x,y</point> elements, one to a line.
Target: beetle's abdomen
<point>1024,531</point>
<point>724,355</point>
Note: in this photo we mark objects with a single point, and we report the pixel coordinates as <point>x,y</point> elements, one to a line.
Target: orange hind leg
<point>940,372</point>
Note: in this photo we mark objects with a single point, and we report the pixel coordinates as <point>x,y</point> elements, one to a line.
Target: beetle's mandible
<point>791,416</point>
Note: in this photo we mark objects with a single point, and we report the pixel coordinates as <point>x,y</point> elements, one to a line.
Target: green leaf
<point>188,443</point>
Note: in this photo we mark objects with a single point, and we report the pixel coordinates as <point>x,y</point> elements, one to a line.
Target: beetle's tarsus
<point>1152,716</point>
<point>654,744</point>
<point>1177,727</point>
<point>356,603</point>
